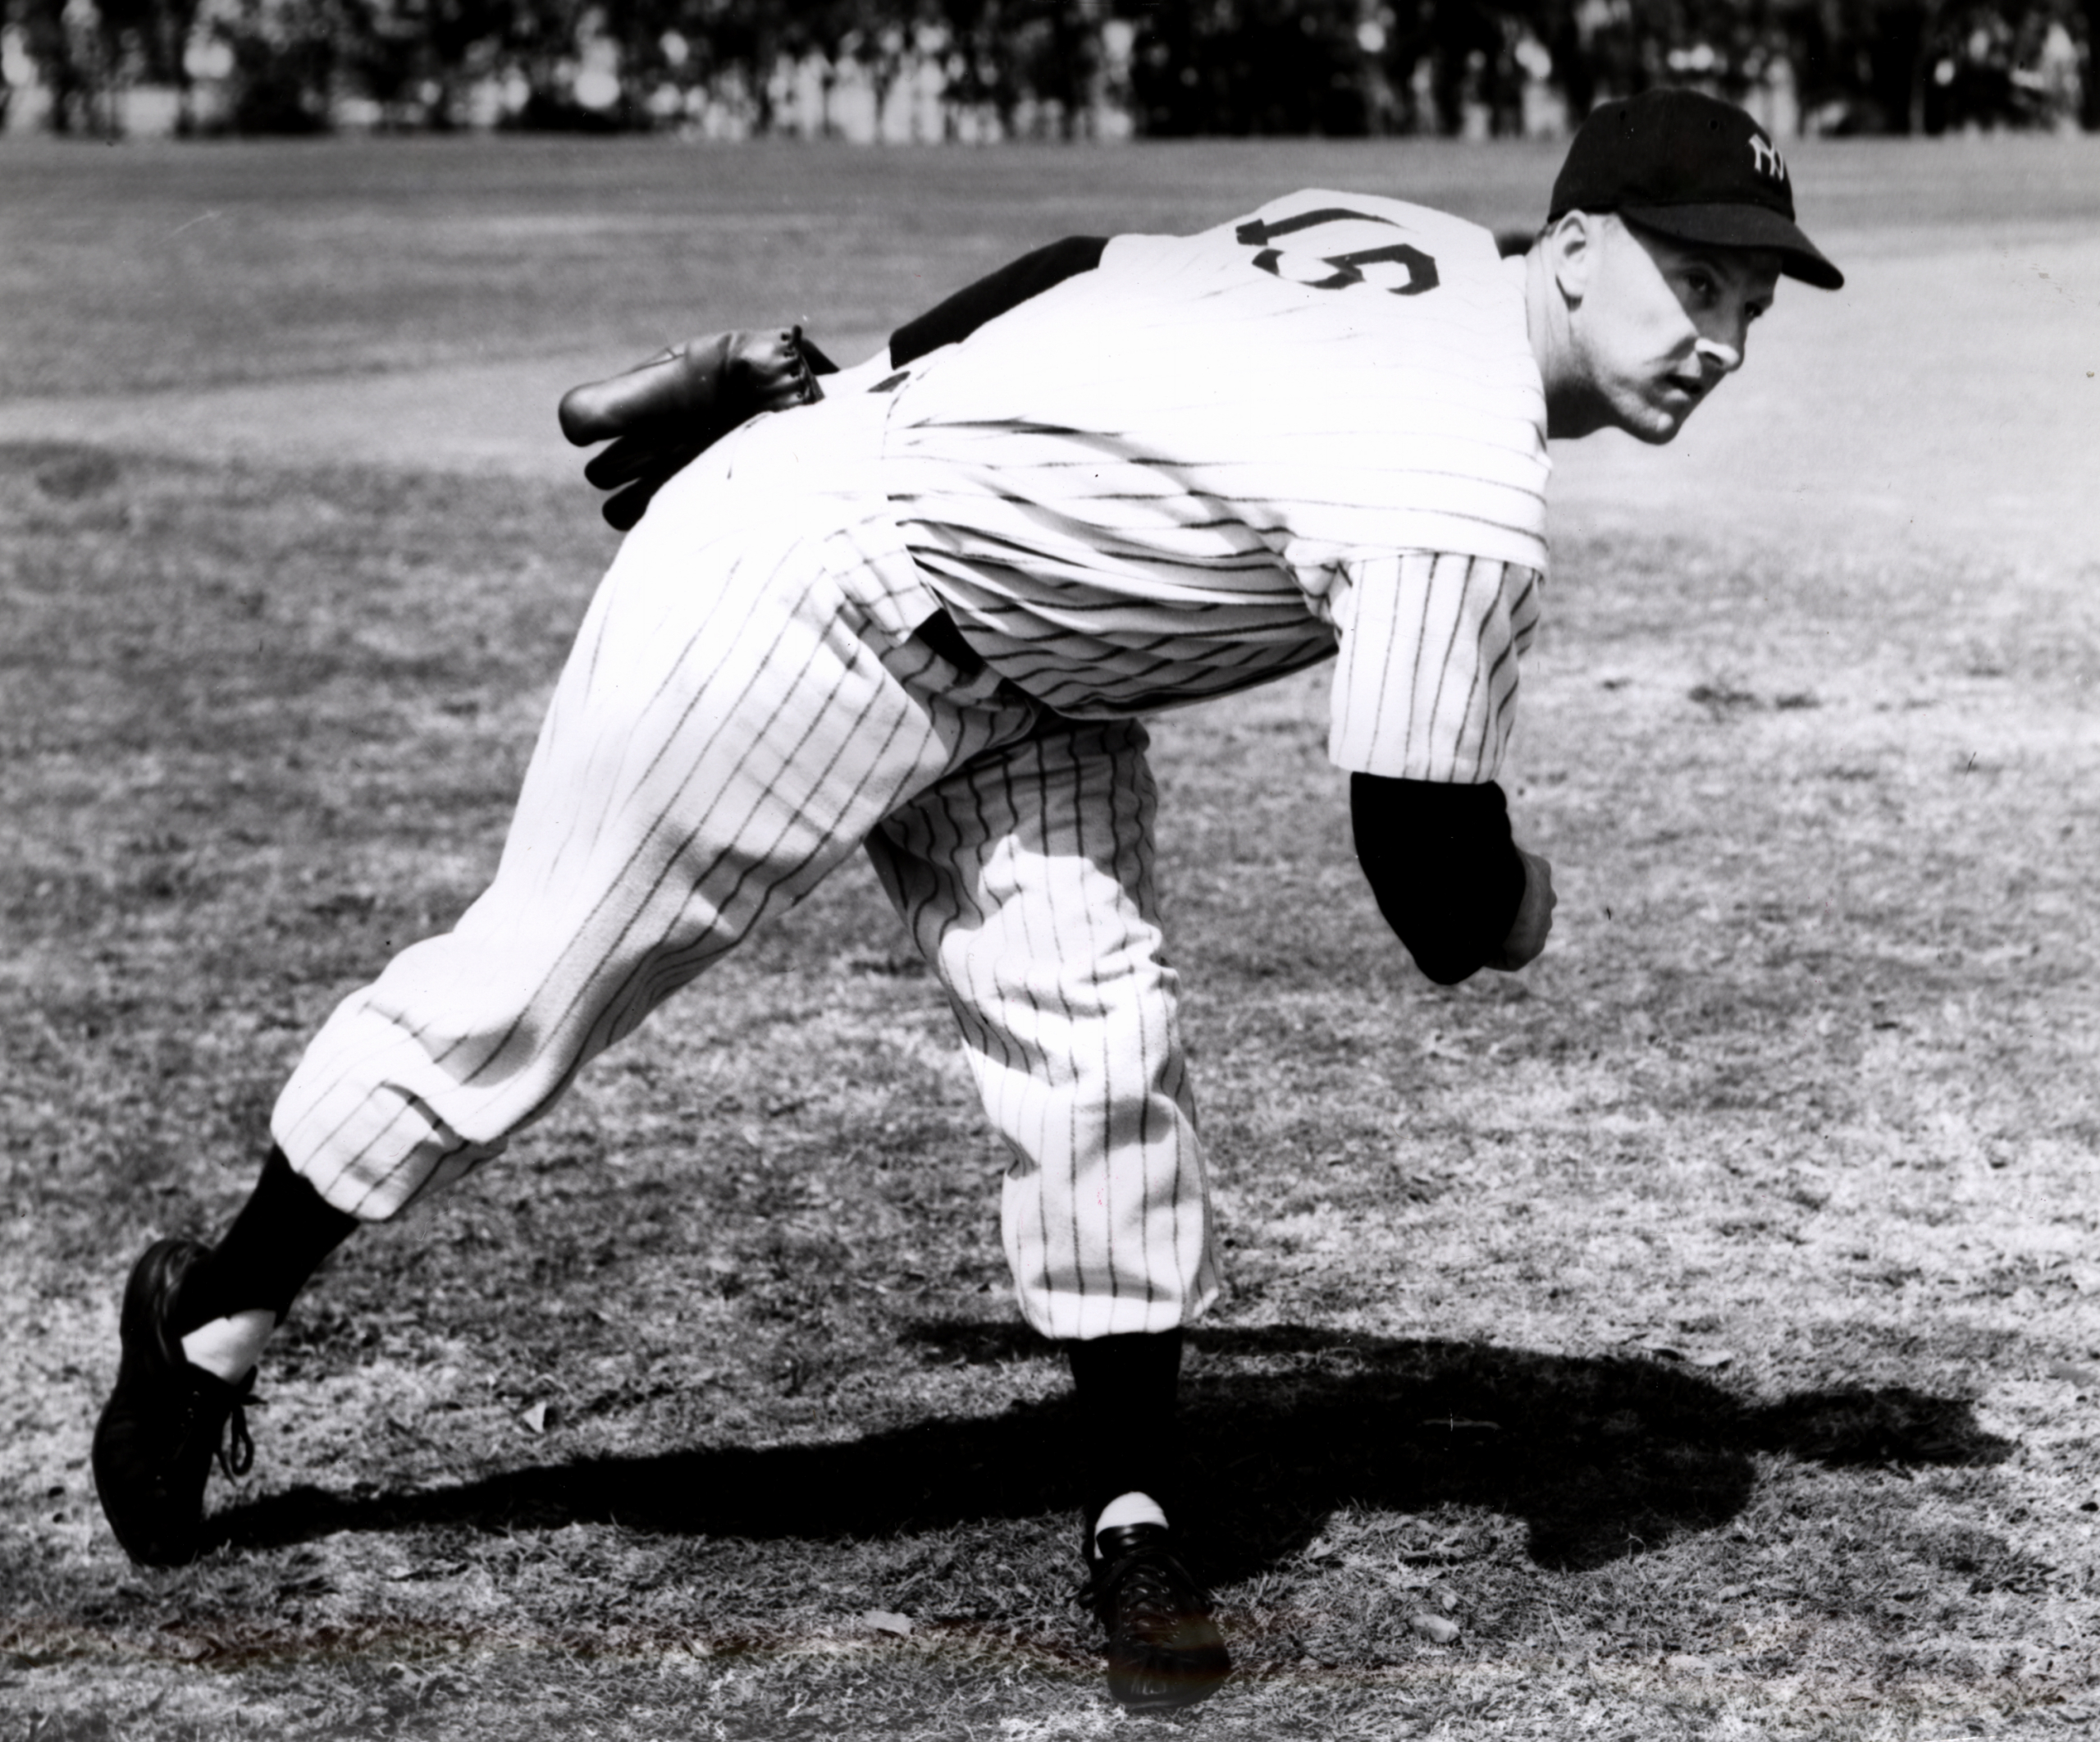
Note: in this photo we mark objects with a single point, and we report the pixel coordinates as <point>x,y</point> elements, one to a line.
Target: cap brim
<point>1743,227</point>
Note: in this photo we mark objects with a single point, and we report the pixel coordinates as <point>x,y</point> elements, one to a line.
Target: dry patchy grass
<point>1706,1320</point>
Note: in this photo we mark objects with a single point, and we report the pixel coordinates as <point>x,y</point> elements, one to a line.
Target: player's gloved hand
<point>660,415</point>
<point>1534,921</point>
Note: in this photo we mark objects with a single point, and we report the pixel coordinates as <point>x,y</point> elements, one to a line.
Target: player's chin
<point>1661,415</point>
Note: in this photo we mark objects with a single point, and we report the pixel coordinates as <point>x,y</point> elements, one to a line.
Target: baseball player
<point>925,613</point>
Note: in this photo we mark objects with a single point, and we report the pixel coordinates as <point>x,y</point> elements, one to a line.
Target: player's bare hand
<point>1534,920</point>
<point>660,414</point>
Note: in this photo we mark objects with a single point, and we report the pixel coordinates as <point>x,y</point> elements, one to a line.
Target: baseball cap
<point>1693,167</point>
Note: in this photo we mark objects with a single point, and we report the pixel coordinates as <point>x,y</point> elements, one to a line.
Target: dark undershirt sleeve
<point>1441,861</point>
<point>993,296</point>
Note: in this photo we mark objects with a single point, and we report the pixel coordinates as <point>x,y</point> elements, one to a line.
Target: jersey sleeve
<point>951,321</point>
<point>1425,687</point>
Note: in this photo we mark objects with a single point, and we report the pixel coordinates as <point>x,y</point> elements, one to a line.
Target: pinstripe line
<point>986,997</point>
<point>979,895</point>
<point>1176,1085</point>
<point>453,1149</point>
<point>1286,608</point>
<point>1082,770</point>
<point>1507,658</point>
<point>1142,801</point>
<point>1527,596</point>
<point>1248,629</point>
<point>1027,562</point>
<point>1119,772</point>
<point>1005,775</point>
<point>1179,488</point>
<point>1476,681</point>
<point>1080,705</point>
<point>950,510</point>
<point>1418,638</point>
<point>1021,666</point>
<point>931,853</point>
<point>1359,632</point>
<point>1451,641</point>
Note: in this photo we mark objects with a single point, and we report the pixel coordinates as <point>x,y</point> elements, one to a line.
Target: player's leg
<point>1026,878</point>
<point>728,727</point>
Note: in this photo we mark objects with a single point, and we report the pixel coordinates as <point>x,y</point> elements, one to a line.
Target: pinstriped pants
<point>740,712</point>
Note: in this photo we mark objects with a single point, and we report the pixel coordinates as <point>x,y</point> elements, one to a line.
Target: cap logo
<point>1764,159</point>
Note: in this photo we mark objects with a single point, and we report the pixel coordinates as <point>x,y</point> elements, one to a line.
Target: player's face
<point>1660,323</point>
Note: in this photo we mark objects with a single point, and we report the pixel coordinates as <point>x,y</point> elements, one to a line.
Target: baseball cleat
<point>1164,1649</point>
<point>162,1428</point>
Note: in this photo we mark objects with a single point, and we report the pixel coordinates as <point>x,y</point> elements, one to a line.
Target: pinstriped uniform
<point>1425,688</point>
<point>1202,464</point>
<point>747,703</point>
<point>743,682</point>
<point>1026,879</point>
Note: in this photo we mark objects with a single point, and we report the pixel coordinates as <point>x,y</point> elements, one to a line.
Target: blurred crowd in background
<point>983,70</point>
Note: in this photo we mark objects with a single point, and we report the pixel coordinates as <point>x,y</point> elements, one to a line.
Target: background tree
<point>2089,110</point>
<point>1250,66</point>
<point>1198,67</point>
<point>173,28</point>
<point>286,56</point>
<point>1055,56</point>
<point>49,42</point>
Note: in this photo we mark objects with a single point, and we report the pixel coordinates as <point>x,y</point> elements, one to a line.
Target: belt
<point>940,634</point>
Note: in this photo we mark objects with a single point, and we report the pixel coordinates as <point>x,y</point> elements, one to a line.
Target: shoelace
<point>1148,1585</point>
<point>236,1455</point>
<point>235,1450</point>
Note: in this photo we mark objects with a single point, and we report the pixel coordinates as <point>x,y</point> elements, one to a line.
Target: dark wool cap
<point>1695,168</point>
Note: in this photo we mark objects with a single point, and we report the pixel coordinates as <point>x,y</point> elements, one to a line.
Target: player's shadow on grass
<point>1599,1458</point>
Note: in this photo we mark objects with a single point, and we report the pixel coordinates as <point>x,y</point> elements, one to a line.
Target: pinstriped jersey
<point>1216,459</point>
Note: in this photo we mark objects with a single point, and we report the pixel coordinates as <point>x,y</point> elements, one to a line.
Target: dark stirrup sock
<point>278,1240</point>
<point>1124,1388</point>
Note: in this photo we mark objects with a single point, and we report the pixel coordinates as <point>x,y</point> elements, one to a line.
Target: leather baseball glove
<point>658,416</point>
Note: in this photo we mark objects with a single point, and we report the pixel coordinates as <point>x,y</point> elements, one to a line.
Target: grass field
<point>1707,1320</point>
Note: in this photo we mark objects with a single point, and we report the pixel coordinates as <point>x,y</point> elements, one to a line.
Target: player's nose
<point>1722,347</point>
<point>1718,361</point>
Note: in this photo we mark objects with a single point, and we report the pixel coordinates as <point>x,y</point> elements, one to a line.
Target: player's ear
<point>1571,245</point>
